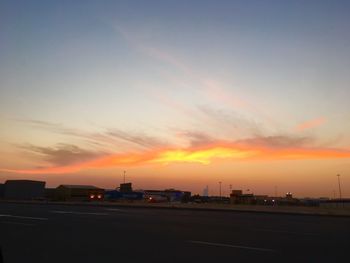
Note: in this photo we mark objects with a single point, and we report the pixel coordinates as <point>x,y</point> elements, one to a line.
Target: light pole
<point>338,175</point>
<point>275,190</point>
<point>124,176</point>
<point>220,189</point>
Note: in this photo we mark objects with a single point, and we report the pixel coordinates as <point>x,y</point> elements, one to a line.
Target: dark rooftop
<point>72,186</point>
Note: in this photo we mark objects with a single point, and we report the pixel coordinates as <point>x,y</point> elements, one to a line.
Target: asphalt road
<point>58,233</point>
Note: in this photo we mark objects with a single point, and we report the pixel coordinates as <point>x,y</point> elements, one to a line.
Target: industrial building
<point>23,190</point>
<point>237,197</point>
<point>123,192</point>
<point>113,195</point>
<point>343,203</point>
<point>125,187</point>
<point>78,193</point>
<point>170,195</point>
<point>2,189</point>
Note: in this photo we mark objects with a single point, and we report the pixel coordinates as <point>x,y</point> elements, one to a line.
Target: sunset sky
<point>180,94</point>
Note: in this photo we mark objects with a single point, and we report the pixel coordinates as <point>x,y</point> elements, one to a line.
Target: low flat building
<point>125,187</point>
<point>50,194</point>
<point>2,190</point>
<point>343,203</point>
<point>171,195</point>
<point>79,193</point>
<point>114,195</point>
<point>237,197</point>
<point>23,190</point>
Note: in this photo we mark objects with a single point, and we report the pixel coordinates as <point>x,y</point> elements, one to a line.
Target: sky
<point>179,94</point>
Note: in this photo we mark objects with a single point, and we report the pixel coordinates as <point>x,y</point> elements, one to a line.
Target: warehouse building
<point>343,203</point>
<point>170,195</point>
<point>114,195</point>
<point>2,189</point>
<point>78,193</point>
<point>23,190</point>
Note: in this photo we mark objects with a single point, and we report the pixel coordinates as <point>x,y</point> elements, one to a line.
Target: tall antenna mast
<point>339,186</point>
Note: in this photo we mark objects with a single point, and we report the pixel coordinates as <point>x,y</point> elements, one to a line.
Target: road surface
<point>59,233</point>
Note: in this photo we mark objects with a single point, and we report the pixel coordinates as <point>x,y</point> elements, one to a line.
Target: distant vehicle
<point>96,197</point>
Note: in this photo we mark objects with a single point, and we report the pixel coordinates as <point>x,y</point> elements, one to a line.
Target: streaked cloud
<point>310,124</point>
<point>263,148</point>
<point>277,142</point>
<point>106,138</point>
<point>64,154</point>
<point>231,120</point>
<point>195,138</point>
<point>139,139</point>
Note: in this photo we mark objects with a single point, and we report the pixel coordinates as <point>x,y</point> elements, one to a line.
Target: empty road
<point>59,233</point>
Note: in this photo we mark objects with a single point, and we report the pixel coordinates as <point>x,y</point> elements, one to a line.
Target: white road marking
<point>16,223</point>
<point>25,217</point>
<point>231,246</point>
<point>78,213</point>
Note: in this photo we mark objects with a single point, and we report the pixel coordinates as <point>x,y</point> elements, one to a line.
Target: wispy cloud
<point>139,139</point>
<point>231,121</point>
<point>273,142</point>
<point>210,87</point>
<point>262,148</point>
<point>115,138</point>
<point>310,124</point>
<point>195,138</point>
<point>64,154</point>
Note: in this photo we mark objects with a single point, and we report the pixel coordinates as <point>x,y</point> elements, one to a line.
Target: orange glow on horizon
<point>204,155</point>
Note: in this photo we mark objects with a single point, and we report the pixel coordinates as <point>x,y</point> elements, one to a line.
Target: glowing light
<point>200,156</point>
<point>204,155</point>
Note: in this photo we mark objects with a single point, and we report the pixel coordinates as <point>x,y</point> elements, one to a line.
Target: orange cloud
<point>310,124</point>
<point>203,155</point>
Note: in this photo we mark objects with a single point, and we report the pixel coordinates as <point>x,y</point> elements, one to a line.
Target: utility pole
<point>338,175</point>
<point>220,189</point>
<point>276,191</point>
<point>124,176</point>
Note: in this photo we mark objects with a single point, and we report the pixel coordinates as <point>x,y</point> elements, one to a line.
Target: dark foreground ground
<point>58,233</point>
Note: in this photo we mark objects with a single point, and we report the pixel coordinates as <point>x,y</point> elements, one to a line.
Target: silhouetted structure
<point>78,193</point>
<point>2,190</point>
<point>206,191</point>
<point>170,195</point>
<point>23,190</point>
<point>307,201</point>
<point>114,195</point>
<point>237,197</point>
<point>336,203</point>
<point>50,194</point>
<point>125,187</point>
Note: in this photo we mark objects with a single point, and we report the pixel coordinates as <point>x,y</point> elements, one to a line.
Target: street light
<point>338,175</point>
<point>220,189</point>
